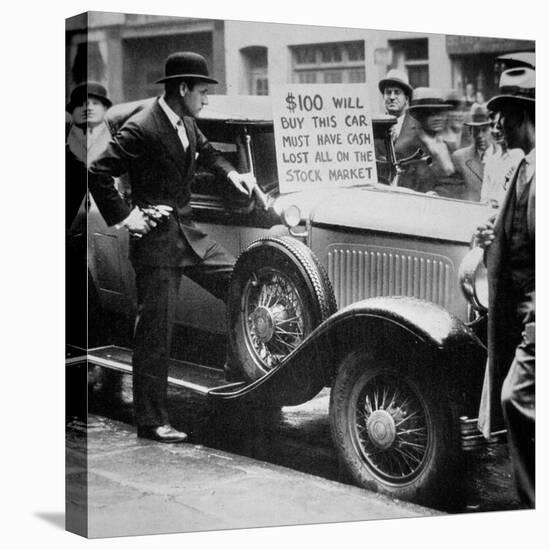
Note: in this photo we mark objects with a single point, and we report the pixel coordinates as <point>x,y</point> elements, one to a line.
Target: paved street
<point>139,487</point>
<point>248,468</point>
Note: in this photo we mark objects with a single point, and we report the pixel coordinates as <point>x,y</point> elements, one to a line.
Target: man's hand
<point>156,213</point>
<point>137,223</point>
<point>245,183</point>
<point>484,235</point>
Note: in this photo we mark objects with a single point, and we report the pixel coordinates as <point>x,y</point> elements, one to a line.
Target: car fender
<point>414,332</point>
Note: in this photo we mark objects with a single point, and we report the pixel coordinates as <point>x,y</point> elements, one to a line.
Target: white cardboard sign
<point>323,136</point>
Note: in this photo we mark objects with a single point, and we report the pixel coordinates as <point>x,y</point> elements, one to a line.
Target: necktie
<point>182,133</point>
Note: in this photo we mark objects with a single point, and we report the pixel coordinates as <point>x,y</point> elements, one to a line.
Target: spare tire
<point>279,293</point>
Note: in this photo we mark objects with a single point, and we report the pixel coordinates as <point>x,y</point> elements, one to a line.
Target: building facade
<point>126,53</point>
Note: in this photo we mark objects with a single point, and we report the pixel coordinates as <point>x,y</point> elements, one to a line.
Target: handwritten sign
<point>323,135</point>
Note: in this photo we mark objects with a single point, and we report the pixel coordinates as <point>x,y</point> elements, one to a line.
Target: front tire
<point>395,430</point>
<point>279,293</point>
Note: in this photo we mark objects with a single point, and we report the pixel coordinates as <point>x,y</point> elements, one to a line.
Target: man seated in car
<point>429,109</point>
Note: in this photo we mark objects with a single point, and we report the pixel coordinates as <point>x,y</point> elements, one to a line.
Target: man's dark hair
<point>171,86</point>
<point>525,111</point>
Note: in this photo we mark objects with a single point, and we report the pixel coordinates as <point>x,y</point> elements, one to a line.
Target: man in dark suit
<point>428,110</point>
<point>158,148</point>
<point>397,92</point>
<point>509,241</point>
<point>469,161</point>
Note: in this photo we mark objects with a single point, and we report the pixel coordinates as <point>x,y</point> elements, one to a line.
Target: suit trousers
<point>519,409</point>
<point>157,292</point>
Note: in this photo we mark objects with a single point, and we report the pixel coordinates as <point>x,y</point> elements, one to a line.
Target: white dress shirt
<point>176,122</point>
<point>499,167</point>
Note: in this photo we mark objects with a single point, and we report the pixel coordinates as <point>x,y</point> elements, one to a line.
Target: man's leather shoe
<point>163,434</point>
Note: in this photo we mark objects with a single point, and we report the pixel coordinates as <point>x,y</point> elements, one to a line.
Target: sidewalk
<point>137,487</point>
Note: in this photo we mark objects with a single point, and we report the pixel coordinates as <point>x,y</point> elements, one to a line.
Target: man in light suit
<point>158,148</point>
<point>509,241</point>
<point>469,161</point>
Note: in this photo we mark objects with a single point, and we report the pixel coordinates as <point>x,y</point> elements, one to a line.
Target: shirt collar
<point>173,117</point>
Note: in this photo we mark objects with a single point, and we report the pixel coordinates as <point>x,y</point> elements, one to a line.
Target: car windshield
<point>264,154</point>
<point>424,173</point>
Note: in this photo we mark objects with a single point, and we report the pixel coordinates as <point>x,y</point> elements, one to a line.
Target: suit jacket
<point>147,148</point>
<point>407,133</point>
<point>419,175</point>
<point>508,311</point>
<point>471,169</point>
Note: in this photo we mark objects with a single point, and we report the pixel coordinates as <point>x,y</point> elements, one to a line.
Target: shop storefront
<point>474,62</point>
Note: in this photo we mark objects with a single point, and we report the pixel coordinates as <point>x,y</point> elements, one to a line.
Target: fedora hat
<point>397,78</point>
<point>515,86</point>
<point>479,117</point>
<point>428,99</point>
<point>82,91</point>
<point>518,59</point>
<point>186,65</point>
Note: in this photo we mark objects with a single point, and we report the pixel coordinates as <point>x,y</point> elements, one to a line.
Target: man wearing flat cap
<point>159,147</point>
<point>469,161</point>
<point>509,244</point>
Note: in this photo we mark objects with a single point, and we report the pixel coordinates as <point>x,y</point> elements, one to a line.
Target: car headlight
<point>291,216</point>
<point>473,278</point>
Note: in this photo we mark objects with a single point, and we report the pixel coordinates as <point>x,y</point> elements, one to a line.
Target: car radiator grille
<point>359,272</point>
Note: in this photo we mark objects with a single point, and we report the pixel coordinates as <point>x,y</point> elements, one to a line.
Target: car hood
<point>390,210</point>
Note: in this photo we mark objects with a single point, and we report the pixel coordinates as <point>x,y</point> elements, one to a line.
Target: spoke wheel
<point>275,317</point>
<point>279,294</point>
<point>389,426</point>
<point>395,429</point>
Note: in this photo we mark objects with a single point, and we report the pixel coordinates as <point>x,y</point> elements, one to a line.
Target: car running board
<point>198,378</point>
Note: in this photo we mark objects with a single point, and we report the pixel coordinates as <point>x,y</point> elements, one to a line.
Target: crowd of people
<point>486,152</point>
<point>480,152</point>
<point>470,157</point>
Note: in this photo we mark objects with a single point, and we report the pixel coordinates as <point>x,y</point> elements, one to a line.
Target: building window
<point>333,77</point>
<point>261,85</point>
<point>307,77</point>
<point>331,53</point>
<point>329,63</point>
<point>357,75</point>
<point>88,63</point>
<point>413,56</point>
<point>255,63</point>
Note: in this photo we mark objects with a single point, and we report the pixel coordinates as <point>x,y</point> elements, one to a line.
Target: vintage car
<point>353,288</point>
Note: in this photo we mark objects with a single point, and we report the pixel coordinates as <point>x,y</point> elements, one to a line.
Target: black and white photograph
<point>310,274</point>
<point>299,274</point>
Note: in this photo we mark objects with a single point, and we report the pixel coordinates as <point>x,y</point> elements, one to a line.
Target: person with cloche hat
<point>428,109</point>
<point>87,134</point>
<point>158,147</point>
<point>509,243</point>
<point>469,161</point>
